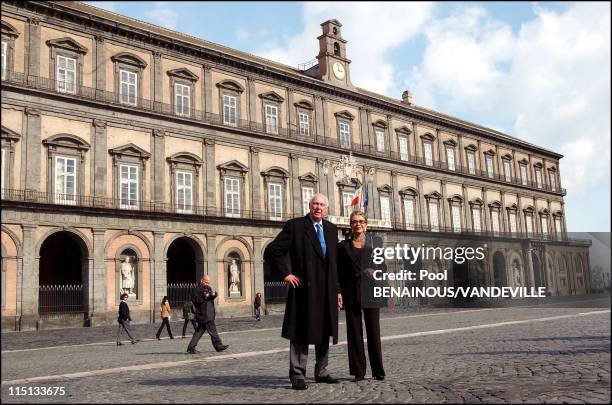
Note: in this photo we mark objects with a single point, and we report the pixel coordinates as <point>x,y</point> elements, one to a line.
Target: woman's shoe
<point>119,344</point>
<point>171,337</point>
<point>379,377</point>
<point>158,338</point>
<point>358,378</point>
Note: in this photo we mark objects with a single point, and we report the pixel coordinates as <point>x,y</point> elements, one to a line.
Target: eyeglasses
<point>355,222</point>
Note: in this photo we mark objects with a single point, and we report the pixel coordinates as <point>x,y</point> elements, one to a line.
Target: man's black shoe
<point>379,377</point>
<point>193,351</point>
<point>358,378</point>
<point>328,379</point>
<point>220,349</point>
<point>299,385</point>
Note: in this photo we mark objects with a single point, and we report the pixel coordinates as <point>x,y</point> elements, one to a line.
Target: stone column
<point>486,210</point>
<point>370,132</point>
<point>331,193</point>
<point>33,47</point>
<point>319,120</point>
<point>159,279</point>
<point>258,269</point>
<point>440,146</point>
<point>325,117</point>
<point>375,198</point>
<point>466,210</point>
<point>421,202</point>
<point>31,161</point>
<point>519,215</point>
<point>291,118</point>
<point>396,216</point>
<point>27,305</point>
<point>255,181</point>
<point>211,263</point>
<point>504,213</point>
<point>158,166</point>
<point>252,99</point>
<point>296,208</point>
<point>363,126</point>
<point>563,223</point>
<point>100,67</point>
<point>97,309</point>
<point>99,160</point>
<point>445,214</point>
<point>479,161</point>
<point>460,152</point>
<point>210,175</point>
<point>158,79</point>
<point>208,89</point>
<point>414,140</point>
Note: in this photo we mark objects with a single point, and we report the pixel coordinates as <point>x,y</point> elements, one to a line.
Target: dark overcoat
<point>311,312</point>
<point>203,299</point>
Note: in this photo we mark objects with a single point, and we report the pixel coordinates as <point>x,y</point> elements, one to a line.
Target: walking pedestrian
<point>166,313</point>
<point>189,315</point>
<point>203,298</point>
<point>257,306</point>
<point>124,320</point>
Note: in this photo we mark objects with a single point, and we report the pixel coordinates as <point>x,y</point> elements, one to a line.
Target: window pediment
<point>552,169</point>
<point>428,136</point>
<point>558,213</point>
<point>183,73</point>
<point>345,183</point>
<point>495,204</point>
<point>68,44</point>
<point>129,59</point>
<point>489,152</point>
<point>345,115</point>
<point>408,192</point>
<point>185,158</point>
<point>308,178</point>
<point>231,85</point>
<point>304,104</point>
<point>476,203</point>
<point>9,30</point>
<point>275,172</point>
<point>385,188</point>
<point>512,208</point>
<point>10,134</point>
<point>403,130</point>
<point>380,124</point>
<point>544,211</point>
<point>529,210</point>
<point>272,96</point>
<point>450,142</point>
<point>233,166</point>
<point>538,165</point>
<point>507,157</point>
<point>434,195</point>
<point>471,147</point>
<point>455,199</point>
<point>130,150</point>
<point>523,161</point>
<point>66,141</point>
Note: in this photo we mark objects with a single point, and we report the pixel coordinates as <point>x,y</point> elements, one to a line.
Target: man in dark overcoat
<point>311,311</point>
<point>203,298</point>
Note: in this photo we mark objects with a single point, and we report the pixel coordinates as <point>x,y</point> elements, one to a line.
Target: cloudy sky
<point>536,71</point>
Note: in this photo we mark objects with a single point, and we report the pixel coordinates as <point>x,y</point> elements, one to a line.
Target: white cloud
<point>242,35</point>
<point>372,29</point>
<point>163,14</point>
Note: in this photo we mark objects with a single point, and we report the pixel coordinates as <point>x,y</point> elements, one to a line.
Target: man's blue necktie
<point>321,238</point>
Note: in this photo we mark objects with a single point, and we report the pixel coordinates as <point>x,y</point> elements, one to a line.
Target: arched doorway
<point>63,272</point>
<point>275,289</point>
<point>184,267</point>
<point>499,270</point>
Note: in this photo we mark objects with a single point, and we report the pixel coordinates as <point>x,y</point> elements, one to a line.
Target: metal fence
<point>275,292</point>
<point>178,294</point>
<point>54,300</point>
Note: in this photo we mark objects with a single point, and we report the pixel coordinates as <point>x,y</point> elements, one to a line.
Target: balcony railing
<point>37,197</point>
<point>293,132</point>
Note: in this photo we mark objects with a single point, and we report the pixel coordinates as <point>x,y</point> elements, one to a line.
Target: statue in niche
<point>517,273</point>
<point>234,278</point>
<point>127,275</point>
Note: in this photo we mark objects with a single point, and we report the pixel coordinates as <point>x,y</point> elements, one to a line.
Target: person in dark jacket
<point>189,315</point>
<point>203,298</point>
<point>311,312</point>
<point>124,320</point>
<point>257,306</point>
<point>355,273</point>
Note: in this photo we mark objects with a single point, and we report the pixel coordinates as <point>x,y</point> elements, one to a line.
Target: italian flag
<point>356,197</point>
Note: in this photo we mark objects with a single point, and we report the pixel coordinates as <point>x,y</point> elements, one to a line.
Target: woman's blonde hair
<point>358,213</point>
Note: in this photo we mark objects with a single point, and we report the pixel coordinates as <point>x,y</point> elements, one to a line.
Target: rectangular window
<point>558,227</point>
<point>4,60</point>
<point>232,198</point>
<point>476,219</point>
<point>495,220</point>
<point>182,99</point>
<point>513,226</point>
<point>229,110</point>
<point>184,192</point>
<point>304,124</point>
<point>380,141</point>
<point>523,175</point>
<point>489,166</point>
<point>385,209</point>
<point>128,82</point>
<point>450,158</point>
<point>65,180</point>
<point>307,193</point>
<point>538,176</point>
<point>456,214</point>
<point>66,74</point>
<point>428,153</point>
<point>409,213</point>
<point>275,201</point>
<point>544,225</point>
<point>403,147</point>
<point>529,224</point>
<point>128,186</point>
<point>471,163</point>
<point>345,135</point>
<point>507,172</point>
<point>433,216</point>
<point>347,199</point>
<point>271,119</point>
<point>553,183</point>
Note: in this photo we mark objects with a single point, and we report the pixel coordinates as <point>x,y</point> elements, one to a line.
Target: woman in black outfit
<point>356,282</point>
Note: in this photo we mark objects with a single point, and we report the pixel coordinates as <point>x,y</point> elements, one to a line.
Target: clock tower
<point>333,64</point>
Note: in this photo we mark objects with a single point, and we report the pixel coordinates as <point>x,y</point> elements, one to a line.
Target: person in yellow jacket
<point>166,312</point>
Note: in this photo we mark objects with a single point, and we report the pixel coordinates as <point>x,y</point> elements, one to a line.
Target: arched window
<point>336,49</point>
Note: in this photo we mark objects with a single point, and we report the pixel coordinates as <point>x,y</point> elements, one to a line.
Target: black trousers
<point>166,322</point>
<point>212,331</point>
<point>354,335</point>
<point>193,322</point>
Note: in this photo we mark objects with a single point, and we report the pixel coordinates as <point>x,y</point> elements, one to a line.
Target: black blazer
<point>124,312</point>
<point>203,298</point>
<point>356,284</point>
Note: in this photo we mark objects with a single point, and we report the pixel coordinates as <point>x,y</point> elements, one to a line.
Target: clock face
<point>338,70</point>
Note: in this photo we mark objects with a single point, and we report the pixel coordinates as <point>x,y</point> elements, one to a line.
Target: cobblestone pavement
<point>543,355</point>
